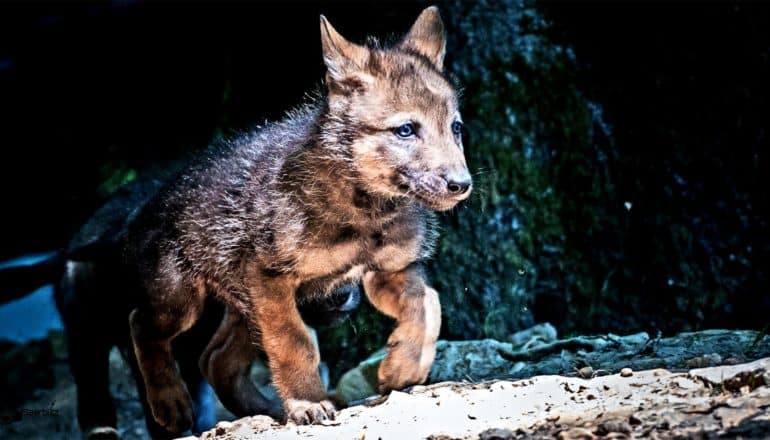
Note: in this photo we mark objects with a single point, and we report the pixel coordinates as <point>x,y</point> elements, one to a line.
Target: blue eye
<point>405,131</point>
<point>457,128</point>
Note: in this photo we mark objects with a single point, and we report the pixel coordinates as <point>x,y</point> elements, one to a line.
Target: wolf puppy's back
<point>342,190</point>
<point>227,206</point>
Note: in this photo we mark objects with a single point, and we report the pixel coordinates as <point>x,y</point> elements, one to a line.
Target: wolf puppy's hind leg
<point>155,430</point>
<point>153,327</point>
<point>406,297</point>
<point>88,344</point>
<point>89,363</point>
<point>226,363</point>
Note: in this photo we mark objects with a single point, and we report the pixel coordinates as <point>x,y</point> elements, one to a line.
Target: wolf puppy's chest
<point>347,251</point>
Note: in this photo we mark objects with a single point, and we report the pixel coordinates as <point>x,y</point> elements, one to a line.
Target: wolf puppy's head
<point>397,115</point>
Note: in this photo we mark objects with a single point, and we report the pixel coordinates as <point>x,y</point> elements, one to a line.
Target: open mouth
<point>429,199</point>
<point>437,203</point>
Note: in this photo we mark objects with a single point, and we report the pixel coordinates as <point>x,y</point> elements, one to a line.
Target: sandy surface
<point>728,401</point>
<point>731,401</point>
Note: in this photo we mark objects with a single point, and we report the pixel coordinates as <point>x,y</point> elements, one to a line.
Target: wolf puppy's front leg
<point>292,354</point>
<point>406,297</point>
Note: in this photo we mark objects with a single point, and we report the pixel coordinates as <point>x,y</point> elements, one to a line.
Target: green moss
<point>532,145</point>
<point>114,176</point>
<point>532,134</point>
<point>551,232</point>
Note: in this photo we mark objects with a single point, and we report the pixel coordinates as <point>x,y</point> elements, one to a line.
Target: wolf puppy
<point>343,190</point>
<point>95,295</point>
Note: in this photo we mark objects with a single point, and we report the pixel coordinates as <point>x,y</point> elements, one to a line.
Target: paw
<point>305,412</point>
<point>338,401</point>
<point>401,368</point>
<point>407,363</point>
<point>412,348</point>
<point>171,407</point>
<point>102,433</point>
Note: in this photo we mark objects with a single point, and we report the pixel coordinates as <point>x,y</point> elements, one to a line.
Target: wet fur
<point>326,197</point>
<point>95,293</point>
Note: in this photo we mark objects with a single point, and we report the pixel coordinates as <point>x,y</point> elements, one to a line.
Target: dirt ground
<point>719,402</point>
<point>60,421</point>
<point>51,412</point>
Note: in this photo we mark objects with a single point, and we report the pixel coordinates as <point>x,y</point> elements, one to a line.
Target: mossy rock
<point>536,148</point>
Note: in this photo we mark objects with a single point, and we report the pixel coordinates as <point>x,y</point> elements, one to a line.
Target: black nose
<point>458,187</point>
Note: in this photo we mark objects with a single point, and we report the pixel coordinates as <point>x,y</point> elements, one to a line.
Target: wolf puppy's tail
<point>18,280</point>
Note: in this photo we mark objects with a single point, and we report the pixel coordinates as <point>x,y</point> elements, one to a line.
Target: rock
<point>539,334</point>
<point>496,434</point>
<point>488,358</point>
<point>471,360</point>
<point>613,425</point>
<point>23,367</point>
<point>655,404</point>
<point>586,356</point>
<point>707,360</point>
<point>576,434</point>
<point>585,372</point>
<point>361,381</point>
<point>224,425</point>
<point>732,417</point>
<point>717,376</point>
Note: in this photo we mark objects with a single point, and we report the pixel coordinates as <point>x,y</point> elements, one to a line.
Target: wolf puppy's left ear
<point>426,37</point>
<point>343,59</point>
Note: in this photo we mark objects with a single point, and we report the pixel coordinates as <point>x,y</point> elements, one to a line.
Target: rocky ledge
<point>576,388</point>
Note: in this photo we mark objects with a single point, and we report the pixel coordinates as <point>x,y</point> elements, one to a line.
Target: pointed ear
<point>426,37</point>
<point>342,58</point>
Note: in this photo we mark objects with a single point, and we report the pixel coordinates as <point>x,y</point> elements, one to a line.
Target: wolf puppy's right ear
<point>343,60</point>
<point>426,37</point>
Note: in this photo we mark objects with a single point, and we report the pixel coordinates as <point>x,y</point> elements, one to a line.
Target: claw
<point>304,412</point>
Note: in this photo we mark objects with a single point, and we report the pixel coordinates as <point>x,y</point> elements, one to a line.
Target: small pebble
<point>626,372</point>
<point>613,425</point>
<point>575,434</point>
<point>496,434</point>
<point>586,372</point>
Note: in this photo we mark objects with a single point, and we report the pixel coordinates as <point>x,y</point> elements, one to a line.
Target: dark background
<point>90,89</point>
<point>659,107</point>
<point>684,88</point>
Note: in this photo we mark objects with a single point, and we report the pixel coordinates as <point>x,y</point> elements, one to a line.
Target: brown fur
<point>331,195</point>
